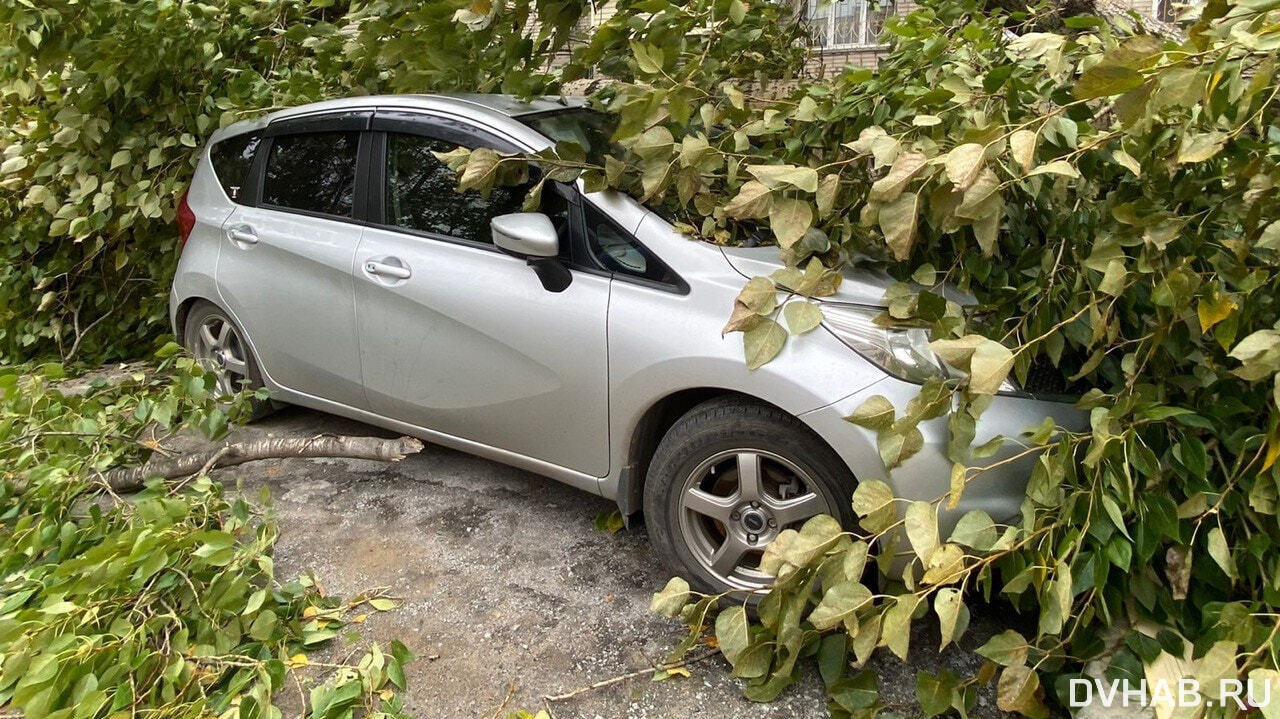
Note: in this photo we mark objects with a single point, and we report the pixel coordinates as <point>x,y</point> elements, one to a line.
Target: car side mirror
<point>525,234</point>
<point>533,237</point>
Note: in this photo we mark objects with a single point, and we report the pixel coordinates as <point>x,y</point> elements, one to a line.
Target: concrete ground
<point>506,583</point>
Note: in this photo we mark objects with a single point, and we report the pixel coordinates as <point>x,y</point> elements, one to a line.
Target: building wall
<point>826,61</point>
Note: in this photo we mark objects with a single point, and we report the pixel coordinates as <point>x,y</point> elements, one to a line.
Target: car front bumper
<point>926,476</point>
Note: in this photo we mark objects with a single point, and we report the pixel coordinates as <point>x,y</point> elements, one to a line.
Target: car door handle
<point>382,269</point>
<point>241,234</point>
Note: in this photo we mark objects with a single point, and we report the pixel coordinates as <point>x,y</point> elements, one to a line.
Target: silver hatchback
<point>329,259</point>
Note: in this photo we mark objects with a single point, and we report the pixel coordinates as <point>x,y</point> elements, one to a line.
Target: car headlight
<point>901,351</point>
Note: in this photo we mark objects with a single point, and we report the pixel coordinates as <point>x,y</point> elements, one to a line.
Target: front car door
<point>285,269</point>
<point>461,338</point>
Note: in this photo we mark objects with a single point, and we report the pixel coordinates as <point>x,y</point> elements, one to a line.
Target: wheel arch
<point>654,424</point>
<point>183,311</point>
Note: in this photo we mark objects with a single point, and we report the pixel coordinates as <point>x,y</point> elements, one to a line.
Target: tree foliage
<point>1107,196</point>
<point>105,103</point>
<point>166,603</point>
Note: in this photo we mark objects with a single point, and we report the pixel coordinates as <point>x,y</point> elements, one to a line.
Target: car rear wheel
<point>726,479</point>
<point>217,343</point>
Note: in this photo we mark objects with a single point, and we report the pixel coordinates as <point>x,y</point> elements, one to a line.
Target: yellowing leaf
<point>904,168</point>
<point>1198,148</point>
<point>779,176</point>
<point>1022,145</point>
<point>1057,167</point>
<point>989,367</point>
<point>922,528</point>
<point>898,223</point>
<point>752,201</point>
<point>1214,309</point>
<point>801,316</point>
<point>963,163</point>
<point>759,295</point>
<point>789,219</point>
<point>763,342</point>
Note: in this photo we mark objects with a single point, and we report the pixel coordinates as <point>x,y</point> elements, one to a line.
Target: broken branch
<point>230,454</point>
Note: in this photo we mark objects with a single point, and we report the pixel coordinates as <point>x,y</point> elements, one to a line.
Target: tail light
<point>186,219</point>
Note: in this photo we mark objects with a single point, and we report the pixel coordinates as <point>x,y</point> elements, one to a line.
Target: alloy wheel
<point>220,349</point>
<point>736,502</point>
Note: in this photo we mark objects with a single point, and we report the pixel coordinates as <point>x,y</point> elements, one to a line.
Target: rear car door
<point>285,267</point>
<point>461,338</point>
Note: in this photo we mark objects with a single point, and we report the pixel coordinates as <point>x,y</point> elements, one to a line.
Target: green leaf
<point>1220,551</point>
<point>648,59</point>
<point>934,692</point>
<point>1008,648</point>
<point>838,603</point>
<point>875,413</point>
<point>1106,79</point>
<point>899,443</point>
<point>897,624</point>
<point>671,599</point>
<point>732,634</point>
<point>975,529</point>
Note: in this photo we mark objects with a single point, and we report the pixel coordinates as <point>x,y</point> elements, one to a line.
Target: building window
<point>1162,10</point>
<point>840,24</point>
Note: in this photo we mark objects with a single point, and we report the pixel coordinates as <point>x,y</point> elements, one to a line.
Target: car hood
<point>861,285</point>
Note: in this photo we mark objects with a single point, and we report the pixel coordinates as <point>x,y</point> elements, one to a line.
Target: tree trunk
<point>230,454</point>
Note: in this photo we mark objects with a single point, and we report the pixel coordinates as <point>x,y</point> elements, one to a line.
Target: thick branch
<point>230,454</point>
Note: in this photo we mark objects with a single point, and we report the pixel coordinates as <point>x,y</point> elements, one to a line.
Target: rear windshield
<point>231,160</point>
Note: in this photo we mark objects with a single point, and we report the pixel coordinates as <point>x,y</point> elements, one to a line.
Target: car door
<point>461,338</point>
<point>285,270</point>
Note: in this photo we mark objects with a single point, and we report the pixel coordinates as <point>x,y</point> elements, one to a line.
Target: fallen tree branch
<point>230,454</point>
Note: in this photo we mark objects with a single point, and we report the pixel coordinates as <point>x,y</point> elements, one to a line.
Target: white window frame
<point>824,28</point>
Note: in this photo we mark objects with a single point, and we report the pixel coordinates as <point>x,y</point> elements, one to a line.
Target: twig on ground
<point>630,675</point>
<point>511,690</point>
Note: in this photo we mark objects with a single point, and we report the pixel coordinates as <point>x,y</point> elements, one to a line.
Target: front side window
<point>846,23</point>
<point>314,172</point>
<point>421,192</point>
<point>231,159</point>
<point>617,251</point>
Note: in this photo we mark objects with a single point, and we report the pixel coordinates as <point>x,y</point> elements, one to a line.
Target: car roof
<point>505,105</point>
<point>500,109</point>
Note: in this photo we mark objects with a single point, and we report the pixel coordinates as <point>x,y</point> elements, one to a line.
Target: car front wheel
<point>726,479</point>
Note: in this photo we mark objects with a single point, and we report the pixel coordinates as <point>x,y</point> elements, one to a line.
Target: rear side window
<point>231,160</point>
<point>315,172</point>
<point>420,192</point>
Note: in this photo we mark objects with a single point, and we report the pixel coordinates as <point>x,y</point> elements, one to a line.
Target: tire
<point>225,350</point>
<point>707,450</point>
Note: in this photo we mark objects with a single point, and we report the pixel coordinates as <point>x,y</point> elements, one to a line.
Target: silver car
<point>328,258</point>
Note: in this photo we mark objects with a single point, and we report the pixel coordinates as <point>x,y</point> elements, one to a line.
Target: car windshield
<point>590,129</point>
<point>593,131</point>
